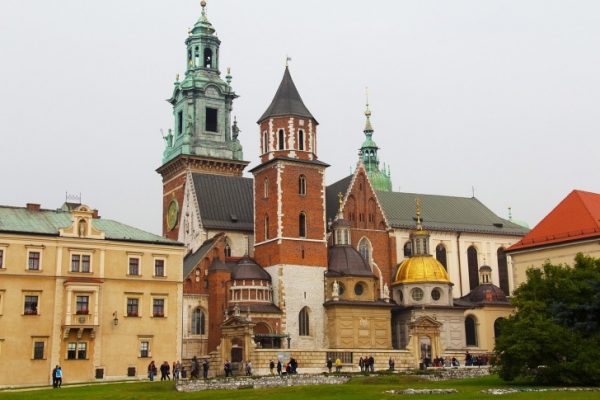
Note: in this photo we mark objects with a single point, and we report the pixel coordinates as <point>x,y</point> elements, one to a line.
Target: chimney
<point>95,214</point>
<point>33,207</point>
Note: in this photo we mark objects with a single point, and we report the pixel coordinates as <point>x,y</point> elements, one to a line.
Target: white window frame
<point>3,257</point>
<point>38,294</point>
<point>34,340</point>
<point>139,258</point>
<point>164,260</point>
<point>162,297</point>
<point>146,339</point>
<point>136,296</point>
<point>80,268</point>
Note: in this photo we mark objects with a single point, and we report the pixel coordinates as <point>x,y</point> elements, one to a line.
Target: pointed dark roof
<point>287,101</point>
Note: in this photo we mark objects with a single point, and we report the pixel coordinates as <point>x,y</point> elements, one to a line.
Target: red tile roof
<point>576,217</point>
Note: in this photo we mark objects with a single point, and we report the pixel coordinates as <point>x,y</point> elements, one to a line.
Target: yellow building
<point>97,297</point>
<point>572,227</point>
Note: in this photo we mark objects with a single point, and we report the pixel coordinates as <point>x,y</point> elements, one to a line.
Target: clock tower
<point>204,138</point>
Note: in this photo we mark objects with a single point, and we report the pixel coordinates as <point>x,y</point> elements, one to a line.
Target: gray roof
<point>192,259</point>
<point>331,196</point>
<point>445,213</point>
<point>49,222</point>
<point>226,202</point>
<point>248,269</point>
<point>287,101</point>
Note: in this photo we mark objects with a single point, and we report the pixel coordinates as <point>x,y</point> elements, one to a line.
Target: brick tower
<point>204,138</point>
<point>289,216</point>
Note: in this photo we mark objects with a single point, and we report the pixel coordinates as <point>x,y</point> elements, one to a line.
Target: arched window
<point>503,270</point>
<point>227,249</point>
<point>371,216</point>
<point>471,331</point>
<point>266,188</point>
<point>473,267</point>
<point>303,322</point>
<point>197,56</point>
<point>207,58</point>
<point>266,227</point>
<point>364,248</point>
<point>498,327</point>
<point>302,185</point>
<point>198,322</point>
<point>281,140</point>
<point>300,139</point>
<point>302,225</point>
<point>407,249</point>
<point>440,255</point>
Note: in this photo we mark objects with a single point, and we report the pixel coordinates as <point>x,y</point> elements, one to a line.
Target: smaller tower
<point>380,179</point>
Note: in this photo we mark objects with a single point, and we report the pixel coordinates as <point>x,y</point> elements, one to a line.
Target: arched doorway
<point>425,345</point>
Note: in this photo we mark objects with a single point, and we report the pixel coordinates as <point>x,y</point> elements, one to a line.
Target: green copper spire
<point>380,179</point>
<point>202,101</point>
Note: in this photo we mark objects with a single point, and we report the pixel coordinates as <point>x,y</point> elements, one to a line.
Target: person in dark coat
<point>279,367</point>
<point>195,368</point>
<point>205,368</point>
<point>329,364</point>
<point>151,370</point>
<point>54,381</point>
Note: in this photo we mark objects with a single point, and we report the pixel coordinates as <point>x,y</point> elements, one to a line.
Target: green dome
<point>380,181</point>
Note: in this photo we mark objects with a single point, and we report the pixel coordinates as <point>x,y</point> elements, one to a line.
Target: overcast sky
<point>502,96</point>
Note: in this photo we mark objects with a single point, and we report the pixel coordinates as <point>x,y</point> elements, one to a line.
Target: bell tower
<point>289,213</point>
<point>204,139</point>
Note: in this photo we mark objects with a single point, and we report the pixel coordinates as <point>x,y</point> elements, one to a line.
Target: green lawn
<point>359,388</point>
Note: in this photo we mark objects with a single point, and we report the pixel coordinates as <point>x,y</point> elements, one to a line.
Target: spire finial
<point>367,111</point>
<point>510,213</point>
<point>203,5</point>
<point>287,60</point>
<point>418,205</point>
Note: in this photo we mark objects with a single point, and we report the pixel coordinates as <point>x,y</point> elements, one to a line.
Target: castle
<point>282,264</point>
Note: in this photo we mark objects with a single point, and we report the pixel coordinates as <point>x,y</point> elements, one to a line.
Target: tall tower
<point>380,179</point>
<point>289,213</point>
<point>204,138</point>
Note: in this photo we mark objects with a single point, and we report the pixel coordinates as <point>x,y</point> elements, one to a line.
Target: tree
<point>554,336</point>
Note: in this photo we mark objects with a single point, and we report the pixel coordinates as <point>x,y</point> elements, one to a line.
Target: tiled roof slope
<point>48,222</point>
<point>192,259</point>
<point>226,202</point>
<point>287,101</point>
<point>331,196</point>
<point>576,217</point>
<point>445,213</point>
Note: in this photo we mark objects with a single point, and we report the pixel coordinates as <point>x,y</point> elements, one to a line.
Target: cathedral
<point>282,264</point>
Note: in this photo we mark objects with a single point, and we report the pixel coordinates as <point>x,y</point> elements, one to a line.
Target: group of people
<point>366,364</point>
<point>57,377</point>
<point>196,368</point>
<point>165,370</point>
<point>474,360</point>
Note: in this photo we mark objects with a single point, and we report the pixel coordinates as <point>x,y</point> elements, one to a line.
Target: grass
<point>359,388</point>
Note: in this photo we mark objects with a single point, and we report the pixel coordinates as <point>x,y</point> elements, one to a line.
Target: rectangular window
<point>38,350</point>
<point>134,266</point>
<point>158,307</point>
<point>81,350</point>
<point>1,258</point>
<point>71,351</point>
<point>133,307</point>
<point>75,262</point>
<point>159,267</point>
<point>144,349</point>
<point>211,119</point>
<point>82,305</point>
<point>33,263</point>
<point>85,263</point>
<point>179,122</point>
<point>31,305</point>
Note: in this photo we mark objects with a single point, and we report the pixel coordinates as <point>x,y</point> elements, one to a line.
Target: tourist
<point>59,376</point>
<point>249,368</point>
<point>205,368</point>
<point>329,364</point>
<point>279,367</point>
<point>391,363</point>
<point>195,368</point>
<point>175,371</point>
<point>151,370</point>
<point>54,381</point>
<point>338,365</point>
<point>361,364</point>
<point>271,367</point>
<point>371,363</point>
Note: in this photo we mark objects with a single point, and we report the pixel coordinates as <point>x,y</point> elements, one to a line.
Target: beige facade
<point>560,253</point>
<point>101,308</point>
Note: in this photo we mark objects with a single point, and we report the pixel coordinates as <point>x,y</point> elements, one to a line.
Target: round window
<point>417,294</point>
<point>436,294</point>
<point>359,289</point>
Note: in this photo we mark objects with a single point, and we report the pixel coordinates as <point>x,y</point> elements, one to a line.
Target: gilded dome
<point>421,269</point>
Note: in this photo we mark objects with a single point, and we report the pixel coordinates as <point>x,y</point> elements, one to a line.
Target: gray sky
<point>498,95</point>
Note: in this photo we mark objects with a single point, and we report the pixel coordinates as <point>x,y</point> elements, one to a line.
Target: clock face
<point>172,214</point>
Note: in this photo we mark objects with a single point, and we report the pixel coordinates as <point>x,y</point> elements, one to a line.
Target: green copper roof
<point>380,179</point>
<point>48,222</point>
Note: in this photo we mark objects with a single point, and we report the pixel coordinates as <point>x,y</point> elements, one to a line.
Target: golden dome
<point>421,269</point>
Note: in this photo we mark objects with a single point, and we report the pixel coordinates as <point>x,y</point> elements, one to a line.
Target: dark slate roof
<point>248,269</point>
<point>49,222</point>
<point>346,261</point>
<point>331,196</point>
<point>192,259</point>
<point>287,101</point>
<point>226,202</point>
<point>484,294</point>
<point>445,213</point>
<point>296,160</point>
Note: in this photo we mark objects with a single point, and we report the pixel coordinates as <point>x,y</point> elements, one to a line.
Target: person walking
<point>271,367</point>
<point>151,370</point>
<point>176,370</point>
<point>205,368</point>
<point>249,368</point>
<point>329,364</point>
<point>59,376</point>
<point>371,363</point>
<point>338,365</point>
<point>279,367</point>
